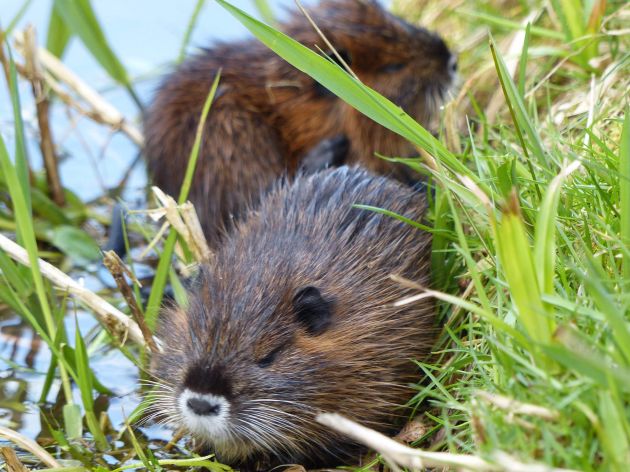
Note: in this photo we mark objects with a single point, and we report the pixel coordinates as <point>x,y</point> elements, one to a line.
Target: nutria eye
<point>312,310</point>
<point>269,358</point>
<point>390,68</point>
<point>345,55</point>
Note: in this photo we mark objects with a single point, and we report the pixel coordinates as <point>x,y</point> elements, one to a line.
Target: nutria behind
<point>267,115</point>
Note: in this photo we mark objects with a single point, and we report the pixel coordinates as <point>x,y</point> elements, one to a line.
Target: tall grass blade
<point>545,234</point>
<point>522,122</point>
<point>595,281</point>
<point>192,21</point>
<point>15,20</point>
<point>58,34</point>
<point>21,159</point>
<point>265,11</point>
<point>79,17</point>
<point>520,272</point>
<point>86,387</point>
<point>522,65</point>
<point>162,271</point>
<point>624,192</point>
<point>24,222</point>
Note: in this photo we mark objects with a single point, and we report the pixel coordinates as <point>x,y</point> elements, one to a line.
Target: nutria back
<point>296,316</point>
<point>268,116</point>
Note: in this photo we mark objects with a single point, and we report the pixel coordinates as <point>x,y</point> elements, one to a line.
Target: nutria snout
<point>294,316</point>
<point>268,115</point>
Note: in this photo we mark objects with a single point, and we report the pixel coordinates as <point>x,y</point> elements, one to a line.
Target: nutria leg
<point>329,152</point>
<point>240,156</point>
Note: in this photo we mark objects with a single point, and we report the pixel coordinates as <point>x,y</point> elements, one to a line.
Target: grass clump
<point>531,221</point>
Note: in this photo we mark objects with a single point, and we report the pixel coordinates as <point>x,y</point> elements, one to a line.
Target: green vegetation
<point>531,223</point>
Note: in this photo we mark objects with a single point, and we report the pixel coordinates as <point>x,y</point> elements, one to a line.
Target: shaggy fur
<point>268,115</point>
<point>252,334</point>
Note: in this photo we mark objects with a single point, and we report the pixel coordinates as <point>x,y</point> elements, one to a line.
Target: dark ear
<point>312,310</point>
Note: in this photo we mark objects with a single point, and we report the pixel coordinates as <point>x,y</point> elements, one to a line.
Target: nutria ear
<point>312,310</point>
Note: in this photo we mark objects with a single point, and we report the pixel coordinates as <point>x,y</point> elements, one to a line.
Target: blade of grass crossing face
<point>624,192</point>
<point>353,92</point>
<point>162,271</point>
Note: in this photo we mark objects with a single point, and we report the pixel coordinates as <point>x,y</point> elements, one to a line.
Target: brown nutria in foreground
<point>268,115</point>
<point>294,316</point>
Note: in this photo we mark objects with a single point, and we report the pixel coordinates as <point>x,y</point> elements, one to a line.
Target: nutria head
<point>410,65</point>
<point>295,316</point>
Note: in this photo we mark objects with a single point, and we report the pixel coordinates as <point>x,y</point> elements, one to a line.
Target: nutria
<point>267,115</point>
<point>295,315</point>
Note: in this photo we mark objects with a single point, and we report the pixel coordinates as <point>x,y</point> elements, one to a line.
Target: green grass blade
<point>265,11</point>
<point>86,387</point>
<point>518,265</point>
<point>353,92</point>
<point>522,122</point>
<point>594,279</point>
<point>58,34</point>
<point>24,222</point>
<point>571,15</point>
<point>194,153</point>
<point>614,435</point>
<point>161,273</point>
<point>545,234</point>
<point>16,19</point>
<point>189,29</point>
<point>72,420</point>
<point>505,23</point>
<point>624,191</point>
<point>21,159</point>
<point>522,65</point>
<point>79,17</point>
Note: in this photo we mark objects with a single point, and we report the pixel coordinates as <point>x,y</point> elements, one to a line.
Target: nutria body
<point>296,316</point>
<point>267,115</point>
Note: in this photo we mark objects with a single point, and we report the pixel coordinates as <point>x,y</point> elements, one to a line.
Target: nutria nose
<point>203,407</point>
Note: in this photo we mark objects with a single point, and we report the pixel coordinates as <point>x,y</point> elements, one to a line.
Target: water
<point>146,35</point>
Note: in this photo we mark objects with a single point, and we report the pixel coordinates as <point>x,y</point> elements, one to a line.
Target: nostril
<point>452,64</point>
<point>203,407</point>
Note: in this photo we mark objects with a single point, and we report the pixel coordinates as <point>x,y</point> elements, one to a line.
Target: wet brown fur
<point>307,233</point>
<point>268,115</point>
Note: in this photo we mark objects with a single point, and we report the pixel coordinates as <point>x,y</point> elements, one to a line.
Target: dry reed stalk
<point>35,76</point>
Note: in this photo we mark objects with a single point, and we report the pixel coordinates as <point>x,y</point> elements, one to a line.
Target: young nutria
<point>268,115</point>
<point>294,316</point>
